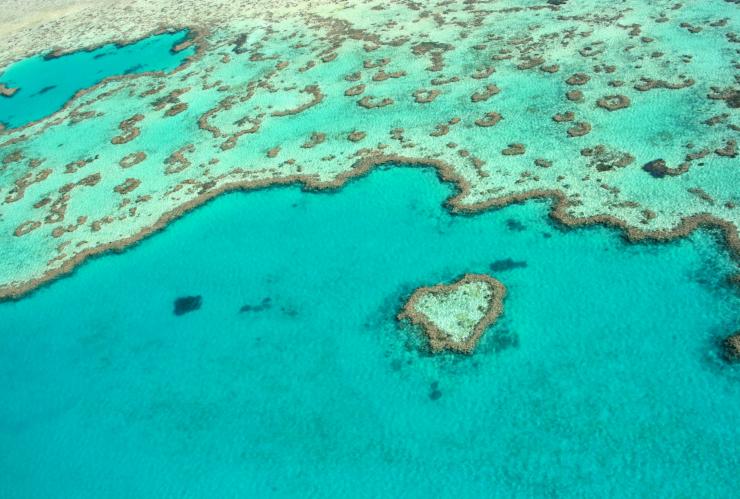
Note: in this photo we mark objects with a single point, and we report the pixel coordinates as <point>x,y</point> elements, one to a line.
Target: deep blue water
<point>601,379</point>
<point>45,85</point>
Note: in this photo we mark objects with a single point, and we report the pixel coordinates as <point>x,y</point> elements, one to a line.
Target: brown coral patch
<point>605,159</point>
<point>60,231</point>
<point>578,79</point>
<point>483,73</point>
<point>182,46</point>
<point>42,202</point>
<point>650,84</point>
<point>729,150</point>
<point>579,129</point>
<point>26,227</point>
<point>176,109</point>
<point>356,90</point>
<point>370,64</point>
<point>132,159</point>
<point>658,168</point>
<point>485,94</point>
<point>315,139</point>
<point>382,75</point>
<point>714,120</point>
<point>316,97</point>
<point>76,116</point>
<point>731,347</point>
<point>6,91</point>
<point>232,139</point>
<point>369,102</point>
<point>489,119</point>
<point>614,102</point>
<point>514,150</point>
<point>13,157</point>
<point>171,98</point>
<point>98,224</point>
<point>702,194</point>
<point>90,180</point>
<point>422,96</point>
<point>58,209</point>
<point>530,63</point>
<point>435,51</point>
<point>426,47</point>
<point>592,50</point>
<point>23,183</point>
<point>131,131</point>
<point>356,136</point>
<point>177,162</point>
<point>574,96</point>
<point>74,166</point>
<point>127,186</point>
<point>563,117</point>
<point>444,81</point>
<point>440,130</point>
<point>731,96</point>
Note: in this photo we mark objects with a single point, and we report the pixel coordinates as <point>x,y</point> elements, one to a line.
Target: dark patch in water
<point>515,225</point>
<point>434,392</point>
<point>239,44</point>
<point>289,311</point>
<point>546,235</point>
<point>715,356</point>
<point>504,339</point>
<point>264,305</point>
<point>101,55</point>
<point>507,264</point>
<point>186,304</point>
<point>46,89</point>
<point>657,168</point>
<point>133,69</point>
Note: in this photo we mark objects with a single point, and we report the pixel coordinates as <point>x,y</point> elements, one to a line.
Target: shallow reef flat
<point>622,113</point>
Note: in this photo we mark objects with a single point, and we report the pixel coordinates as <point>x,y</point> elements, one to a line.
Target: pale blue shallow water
<point>601,379</point>
<point>45,85</point>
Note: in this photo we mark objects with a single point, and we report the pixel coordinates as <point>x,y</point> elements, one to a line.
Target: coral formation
<point>455,316</point>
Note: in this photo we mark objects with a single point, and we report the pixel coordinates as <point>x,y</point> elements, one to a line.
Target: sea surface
<point>45,84</point>
<point>601,379</point>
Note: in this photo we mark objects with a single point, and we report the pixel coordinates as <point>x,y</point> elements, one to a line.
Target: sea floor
<point>602,378</point>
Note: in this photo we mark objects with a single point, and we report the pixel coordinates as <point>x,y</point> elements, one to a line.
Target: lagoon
<point>602,378</point>
<point>44,84</point>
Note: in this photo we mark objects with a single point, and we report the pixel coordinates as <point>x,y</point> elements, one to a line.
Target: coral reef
<point>317,93</point>
<point>731,347</point>
<point>455,316</point>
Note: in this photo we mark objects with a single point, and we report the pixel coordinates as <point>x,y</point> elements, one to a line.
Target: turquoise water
<point>45,85</point>
<point>601,379</point>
